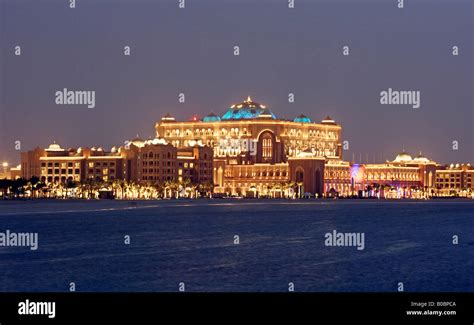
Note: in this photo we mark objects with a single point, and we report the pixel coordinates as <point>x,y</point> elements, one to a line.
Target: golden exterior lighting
<point>248,151</point>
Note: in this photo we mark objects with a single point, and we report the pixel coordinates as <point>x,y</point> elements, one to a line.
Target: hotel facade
<point>249,151</point>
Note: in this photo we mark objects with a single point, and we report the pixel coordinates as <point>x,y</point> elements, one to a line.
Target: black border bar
<point>241,306</point>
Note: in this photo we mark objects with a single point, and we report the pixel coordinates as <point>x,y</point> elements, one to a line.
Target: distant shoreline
<point>233,199</point>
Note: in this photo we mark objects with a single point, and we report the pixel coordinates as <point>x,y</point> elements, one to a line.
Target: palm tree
<point>90,185</point>
<point>290,185</point>
<point>167,187</point>
<point>18,186</point>
<point>40,187</point>
<point>185,183</point>
<point>118,184</point>
<point>158,186</point>
<point>175,186</point>
<point>70,184</point>
<point>5,185</point>
<point>34,180</point>
<point>378,187</point>
<point>270,189</point>
<point>207,188</point>
<point>194,190</point>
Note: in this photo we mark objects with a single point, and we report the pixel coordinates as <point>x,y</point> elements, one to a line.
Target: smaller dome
<point>168,118</point>
<point>157,141</point>
<point>403,157</point>
<point>138,142</point>
<point>113,150</point>
<point>211,117</point>
<point>328,120</point>
<point>421,159</point>
<point>54,147</point>
<point>302,119</point>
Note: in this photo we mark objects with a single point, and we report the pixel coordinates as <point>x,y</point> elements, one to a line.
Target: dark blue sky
<point>282,50</point>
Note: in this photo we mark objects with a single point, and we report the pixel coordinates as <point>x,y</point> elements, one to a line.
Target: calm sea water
<point>280,242</point>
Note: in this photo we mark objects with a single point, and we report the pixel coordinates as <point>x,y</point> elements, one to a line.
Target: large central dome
<point>248,109</point>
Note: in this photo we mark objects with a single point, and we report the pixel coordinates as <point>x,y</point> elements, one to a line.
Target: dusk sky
<point>282,51</point>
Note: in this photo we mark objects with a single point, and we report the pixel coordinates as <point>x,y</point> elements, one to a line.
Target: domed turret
<point>328,120</point>
<point>168,118</point>
<point>211,117</point>
<point>302,119</point>
<point>421,159</point>
<point>54,147</point>
<point>138,142</point>
<point>157,141</point>
<point>403,157</point>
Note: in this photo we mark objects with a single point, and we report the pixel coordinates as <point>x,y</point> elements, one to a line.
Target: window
<point>267,148</point>
<point>299,176</point>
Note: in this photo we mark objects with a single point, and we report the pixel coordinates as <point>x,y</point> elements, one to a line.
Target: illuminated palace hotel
<point>249,151</point>
<point>300,152</point>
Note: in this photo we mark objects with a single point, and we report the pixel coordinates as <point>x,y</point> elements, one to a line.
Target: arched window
<point>299,175</point>
<point>267,148</point>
